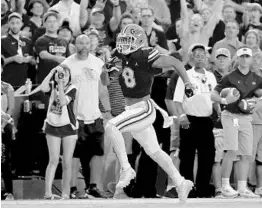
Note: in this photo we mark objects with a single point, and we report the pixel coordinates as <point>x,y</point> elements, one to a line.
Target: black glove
<point>189,91</point>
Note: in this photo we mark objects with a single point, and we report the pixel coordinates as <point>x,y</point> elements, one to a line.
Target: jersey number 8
<point>128,75</point>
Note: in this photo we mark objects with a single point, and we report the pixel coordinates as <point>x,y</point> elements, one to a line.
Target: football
<point>258,93</point>
<point>226,91</point>
<point>247,105</point>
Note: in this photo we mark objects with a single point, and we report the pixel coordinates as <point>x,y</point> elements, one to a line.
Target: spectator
<point>173,35</point>
<point>50,49</point>
<point>17,52</point>
<point>86,70</point>
<point>41,30</point>
<point>19,7</point>
<point>194,30</point>
<point>252,40</point>
<point>7,107</point>
<point>257,146</point>
<point>136,14</point>
<point>155,37</point>
<point>126,19</point>
<point>230,41</point>
<point>66,33</point>
<point>70,10</point>
<point>195,123</point>
<point>228,13</point>
<point>60,127</point>
<point>109,8</point>
<point>36,9</point>
<point>5,12</point>
<point>236,142</point>
<point>222,68</point>
<point>97,20</point>
<point>253,17</point>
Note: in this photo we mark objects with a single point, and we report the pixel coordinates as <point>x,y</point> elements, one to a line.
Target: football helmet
<point>130,39</point>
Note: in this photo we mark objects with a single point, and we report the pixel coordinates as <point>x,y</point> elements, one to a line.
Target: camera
<point>60,75</point>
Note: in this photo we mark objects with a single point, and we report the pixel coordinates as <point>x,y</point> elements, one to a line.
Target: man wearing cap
<point>195,123</point>
<point>50,49</point>
<point>238,132</point>
<point>231,41</point>
<point>17,52</point>
<point>222,62</point>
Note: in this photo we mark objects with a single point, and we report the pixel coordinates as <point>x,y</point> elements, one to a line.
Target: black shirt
<point>15,73</point>
<point>54,46</point>
<point>246,85</point>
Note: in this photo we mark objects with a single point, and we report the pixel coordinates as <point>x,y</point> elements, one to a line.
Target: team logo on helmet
<point>131,38</point>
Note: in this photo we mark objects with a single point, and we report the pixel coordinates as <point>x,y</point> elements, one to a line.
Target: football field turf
<point>135,203</point>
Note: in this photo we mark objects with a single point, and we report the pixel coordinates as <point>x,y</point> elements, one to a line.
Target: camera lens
<point>60,75</point>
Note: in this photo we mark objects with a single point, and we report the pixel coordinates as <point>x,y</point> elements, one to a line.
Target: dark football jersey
<point>138,74</point>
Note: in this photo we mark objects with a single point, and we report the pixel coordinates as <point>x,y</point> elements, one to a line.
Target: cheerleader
<point>60,126</point>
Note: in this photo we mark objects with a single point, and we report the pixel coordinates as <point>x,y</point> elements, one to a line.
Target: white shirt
<point>199,105</point>
<point>85,76</point>
<point>72,13</point>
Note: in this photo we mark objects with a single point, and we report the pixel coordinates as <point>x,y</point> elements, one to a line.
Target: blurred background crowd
<point>38,35</point>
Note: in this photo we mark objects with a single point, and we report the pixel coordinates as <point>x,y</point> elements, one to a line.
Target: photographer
<point>60,125</point>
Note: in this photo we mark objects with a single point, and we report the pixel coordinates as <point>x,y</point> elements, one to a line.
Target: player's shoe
<point>125,177</point>
<point>52,197</point>
<point>258,191</point>
<point>120,194</point>
<point>65,197</point>
<point>229,192</point>
<point>183,190</point>
<point>247,193</point>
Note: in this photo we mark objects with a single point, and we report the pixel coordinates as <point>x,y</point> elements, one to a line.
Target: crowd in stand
<point>44,44</point>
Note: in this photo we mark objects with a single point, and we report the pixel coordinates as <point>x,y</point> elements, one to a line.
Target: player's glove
<point>189,89</point>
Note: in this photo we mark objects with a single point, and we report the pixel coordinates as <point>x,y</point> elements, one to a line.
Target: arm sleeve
<point>152,55</point>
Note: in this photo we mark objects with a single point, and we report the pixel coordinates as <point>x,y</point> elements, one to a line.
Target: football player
<point>139,66</point>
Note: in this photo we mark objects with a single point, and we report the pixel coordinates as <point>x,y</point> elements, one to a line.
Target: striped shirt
<point>116,97</point>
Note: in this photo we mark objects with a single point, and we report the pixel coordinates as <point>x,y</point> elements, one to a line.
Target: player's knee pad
<point>258,162</point>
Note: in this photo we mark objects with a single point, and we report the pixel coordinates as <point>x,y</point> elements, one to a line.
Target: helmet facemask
<point>125,44</point>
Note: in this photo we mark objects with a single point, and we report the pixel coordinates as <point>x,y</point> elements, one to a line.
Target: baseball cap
<point>65,25</point>
<point>16,15</point>
<point>97,10</point>
<point>255,6</point>
<point>50,13</point>
<point>196,46</point>
<point>222,52</point>
<point>244,51</point>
